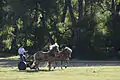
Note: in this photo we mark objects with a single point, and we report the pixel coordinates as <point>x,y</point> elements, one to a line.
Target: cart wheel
<point>22,65</point>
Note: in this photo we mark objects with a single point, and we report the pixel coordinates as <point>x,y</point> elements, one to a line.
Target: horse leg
<point>55,64</point>
<point>61,64</point>
<point>66,63</point>
<point>37,68</point>
<point>49,65</point>
<point>33,65</point>
<point>46,64</point>
<point>37,65</point>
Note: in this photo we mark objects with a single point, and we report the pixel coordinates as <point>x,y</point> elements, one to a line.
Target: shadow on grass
<point>41,70</point>
<point>8,63</point>
<point>14,63</point>
<point>33,70</point>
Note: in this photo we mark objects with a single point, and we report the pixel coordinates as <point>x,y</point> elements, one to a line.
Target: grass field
<point>83,72</point>
<point>71,73</point>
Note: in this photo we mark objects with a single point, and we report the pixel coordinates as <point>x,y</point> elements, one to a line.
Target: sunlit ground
<point>71,73</point>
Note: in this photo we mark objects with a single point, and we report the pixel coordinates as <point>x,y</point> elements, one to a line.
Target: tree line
<point>89,27</point>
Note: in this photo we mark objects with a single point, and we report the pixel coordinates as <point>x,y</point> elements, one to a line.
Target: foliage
<point>89,27</point>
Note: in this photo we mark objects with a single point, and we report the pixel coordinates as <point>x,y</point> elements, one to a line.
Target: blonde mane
<point>51,46</point>
<point>68,49</point>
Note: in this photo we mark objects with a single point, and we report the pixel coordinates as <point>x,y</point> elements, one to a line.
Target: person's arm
<point>24,50</point>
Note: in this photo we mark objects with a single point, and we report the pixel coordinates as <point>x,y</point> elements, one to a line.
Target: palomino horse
<point>44,56</point>
<point>62,56</point>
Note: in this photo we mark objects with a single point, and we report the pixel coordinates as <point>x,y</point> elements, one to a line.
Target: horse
<point>63,56</point>
<point>44,56</point>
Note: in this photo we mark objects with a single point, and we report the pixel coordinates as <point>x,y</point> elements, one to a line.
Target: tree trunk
<point>80,7</point>
<point>72,17</point>
<point>85,8</point>
<point>1,14</point>
<point>14,40</point>
<point>64,11</point>
<point>113,7</point>
<point>44,24</point>
<point>71,12</point>
<point>25,25</point>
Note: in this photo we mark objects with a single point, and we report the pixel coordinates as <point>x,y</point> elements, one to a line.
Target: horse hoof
<point>65,66</point>
<point>61,68</point>
<point>54,67</point>
<point>33,68</point>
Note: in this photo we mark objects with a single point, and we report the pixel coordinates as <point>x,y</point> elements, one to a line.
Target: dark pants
<point>22,57</point>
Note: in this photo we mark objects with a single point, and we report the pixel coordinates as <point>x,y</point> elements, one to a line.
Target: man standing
<point>21,52</point>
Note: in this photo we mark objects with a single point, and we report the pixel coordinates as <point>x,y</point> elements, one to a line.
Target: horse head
<point>68,51</point>
<point>54,48</point>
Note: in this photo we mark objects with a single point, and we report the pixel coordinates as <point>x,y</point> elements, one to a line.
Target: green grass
<point>71,73</point>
